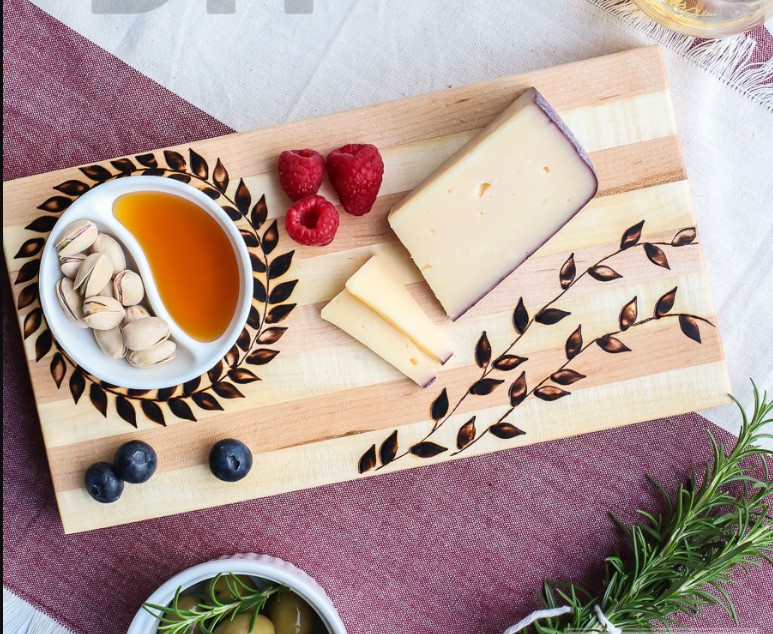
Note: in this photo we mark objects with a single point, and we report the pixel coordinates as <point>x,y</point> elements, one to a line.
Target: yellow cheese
<point>494,203</point>
<point>375,332</point>
<point>378,288</point>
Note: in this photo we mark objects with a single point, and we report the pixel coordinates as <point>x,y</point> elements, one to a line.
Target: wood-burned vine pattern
<point>253,348</point>
<point>494,370</point>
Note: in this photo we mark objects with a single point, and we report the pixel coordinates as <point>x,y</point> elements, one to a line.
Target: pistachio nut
<point>102,313</point>
<point>71,264</point>
<point>128,287</point>
<point>93,275</point>
<point>145,333</point>
<point>107,291</point>
<point>133,313</point>
<point>158,354</point>
<point>70,302</point>
<point>110,247</point>
<point>111,342</point>
<point>79,236</point>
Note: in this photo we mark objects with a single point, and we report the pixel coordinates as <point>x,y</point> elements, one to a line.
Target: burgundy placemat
<point>454,548</point>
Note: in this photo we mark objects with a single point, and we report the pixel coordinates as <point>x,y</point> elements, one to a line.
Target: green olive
<point>291,614</point>
<point>241,625</point>
<point>186,602</point>
<point>222,591</point>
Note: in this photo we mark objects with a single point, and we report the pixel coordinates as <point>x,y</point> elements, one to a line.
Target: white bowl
<point>193,357</point>
<point>260,566</point>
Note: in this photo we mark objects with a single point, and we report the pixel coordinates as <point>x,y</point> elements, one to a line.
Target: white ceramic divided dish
<point>193,357</point>
<point>261,566</point>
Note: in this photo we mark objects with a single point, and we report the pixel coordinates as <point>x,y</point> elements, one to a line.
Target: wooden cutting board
<point>613,316</point>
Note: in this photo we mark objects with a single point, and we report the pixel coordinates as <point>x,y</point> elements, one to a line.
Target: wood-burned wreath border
<point>270,304</point>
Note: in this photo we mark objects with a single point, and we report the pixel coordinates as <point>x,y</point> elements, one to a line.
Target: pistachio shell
<point>111,342</point>
<point>93,275</point>
<point>112,249</point>
<point>145,333</point>
<point>133,313</point>
<point>158,354</point>
<point>102,313</point>
<point>71,264</point>
<point>79,236</point>
<point>129,289</point>
<point>70,302</point>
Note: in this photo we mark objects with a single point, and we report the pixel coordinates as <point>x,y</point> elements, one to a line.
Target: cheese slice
<point>375,332</point>
<point>379,289</point>
<point>494,203</point>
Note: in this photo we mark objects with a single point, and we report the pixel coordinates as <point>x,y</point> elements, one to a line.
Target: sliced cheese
<point>379,289</point>
<point>375,332</point>
<point>494,203</point>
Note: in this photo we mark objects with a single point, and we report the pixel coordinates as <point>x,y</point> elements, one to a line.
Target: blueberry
<point>103,483</point>
<point>135,461</point>
<point>230,460</point>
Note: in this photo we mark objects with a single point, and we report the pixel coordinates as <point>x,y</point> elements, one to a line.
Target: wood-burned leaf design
<point>690,327</point>
<point>77,384</point>
<point>181,409</point>
<point>243,376</point>
<point>43,344</point>
<point>568,272</point>
<point>232,212</point>
<point>270,238</point>
<point>278,313</point>
<point>185,178</point>
<point>152,171</point>
<point>189,387</point>
<point>153,412</point>
<point>611,344</point>
<point>96,172</point>
<point>242,198</point>
<point>166,393</point>
<point>136,392</point>
<point>427,449</point>
<point>206,401</point>
<point>520,317</point>
<point>220,176</point>
<point>31,247</point>
<point>215,372</point>
<point>566,377</point>
<point>243,341</point>
<point>368,460</point>
<point>603,273</point>
<point>232,356</point>
<point>466,434</point>
<point>27,296</point>
<point>198,164</point>
<point>629,314</point>
<point>518,390</point>
<point>72,188</point>
<point>631,236</point>
<point>280,265</point>
<point>684,237</point>
<point>505,431</point>
<point>439,407</point>
<point>253,318</point>
<point>665,303</point>
<point>282,292</point>
<point>261,356</point>
<point>148,160</point>
<point>58,369</point>
<point>550,316</point>
<point>250,239</point>
<point>175,161</point>
<point>98,398</point>
<point>126,410</point>
<point>482,387</point>
<point>550,393</point>
<point>42,224</point>
<point>27,272</point>
<point>508,362</point>
<point>258,265</point>
<point>388,449</point>
<point>259,213</point>
<point>56,204</point>
<point>656,255</point>
<point>483,351</point>
<point>123,165</point>
<point>271,335</point>
<point>32,322</point>
<point>573,345</point>
<point>211,192</point>
<point>259,290</point>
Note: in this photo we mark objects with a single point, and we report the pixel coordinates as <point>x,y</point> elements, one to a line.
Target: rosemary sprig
<point>684,560</point>
<point>211,611</point>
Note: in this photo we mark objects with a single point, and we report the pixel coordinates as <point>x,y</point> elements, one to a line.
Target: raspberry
<point>300,172</point>
<point>312,221</point>
<point>355,171</point>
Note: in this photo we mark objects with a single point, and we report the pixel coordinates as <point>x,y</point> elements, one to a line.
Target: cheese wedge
<point>379,289</point>
<point>375,332</point>
<point>494,203</point>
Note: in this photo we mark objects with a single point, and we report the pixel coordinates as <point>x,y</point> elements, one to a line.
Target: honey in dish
<point>190,256</point>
